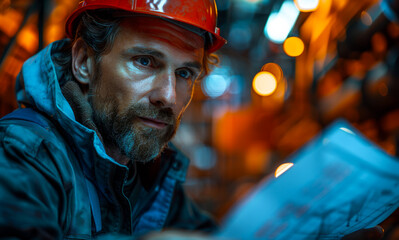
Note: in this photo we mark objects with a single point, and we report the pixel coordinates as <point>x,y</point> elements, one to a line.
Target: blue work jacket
<point>57,182</point>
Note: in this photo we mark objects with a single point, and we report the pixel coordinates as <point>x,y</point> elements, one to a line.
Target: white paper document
<point>339,183</point>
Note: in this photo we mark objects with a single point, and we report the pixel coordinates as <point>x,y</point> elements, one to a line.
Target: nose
<point>164,90</point>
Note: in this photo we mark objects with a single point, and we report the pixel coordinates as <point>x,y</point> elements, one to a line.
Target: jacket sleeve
<point>31,190</point>
<point>185,214</point>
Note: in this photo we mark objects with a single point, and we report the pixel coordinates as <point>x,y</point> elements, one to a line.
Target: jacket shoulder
<point>28,144</point>
<point>42,164</point>
<point>21,136</point>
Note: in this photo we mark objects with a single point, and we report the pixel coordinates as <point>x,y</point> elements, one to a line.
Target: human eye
<point>145,61</point>
<point>185,73</point>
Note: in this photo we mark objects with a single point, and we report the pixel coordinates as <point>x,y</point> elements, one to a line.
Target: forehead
<point>160,29</point>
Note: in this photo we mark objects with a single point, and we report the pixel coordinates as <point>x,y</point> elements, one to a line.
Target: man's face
<point>143,85</point>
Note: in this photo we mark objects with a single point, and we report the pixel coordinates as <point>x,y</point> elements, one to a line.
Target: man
<point>87,154</point>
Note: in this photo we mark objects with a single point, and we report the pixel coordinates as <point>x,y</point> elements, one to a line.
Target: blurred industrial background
<point>321,60</point>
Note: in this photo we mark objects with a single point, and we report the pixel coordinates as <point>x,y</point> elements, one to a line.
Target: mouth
<point>154,123</point>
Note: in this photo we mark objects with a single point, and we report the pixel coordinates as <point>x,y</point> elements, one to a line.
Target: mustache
<point>165,115</point>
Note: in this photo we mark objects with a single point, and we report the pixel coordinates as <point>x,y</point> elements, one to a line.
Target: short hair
<point>98,29</point>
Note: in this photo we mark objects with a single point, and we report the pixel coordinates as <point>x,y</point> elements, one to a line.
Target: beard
<point>124,129</point>
<point>136,141</point>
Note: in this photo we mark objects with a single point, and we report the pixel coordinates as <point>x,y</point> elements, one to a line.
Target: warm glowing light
<point>9,21</point>
<point>338,5</point>
<point>282,168</point>
<point>264,83</point>
<point>293,46</point>
<point>28,39</point>
<point>274,69</point>
<point>366,18</point>
<point>279,24</point>
<point>379,43</point>
<point>53,32</point>
<point>307,5</point>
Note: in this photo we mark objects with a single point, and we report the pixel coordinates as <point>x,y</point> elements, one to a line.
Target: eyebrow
<point>194,64</point>
<point>145,51</point>
<point>158,54</point>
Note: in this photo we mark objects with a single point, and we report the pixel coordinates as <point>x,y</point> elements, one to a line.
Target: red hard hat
<point>199,13</point>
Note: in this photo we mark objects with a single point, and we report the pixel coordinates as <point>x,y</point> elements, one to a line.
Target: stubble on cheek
<point>122,130</point>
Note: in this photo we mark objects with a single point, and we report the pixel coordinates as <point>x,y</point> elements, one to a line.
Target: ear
<point>82,62</point>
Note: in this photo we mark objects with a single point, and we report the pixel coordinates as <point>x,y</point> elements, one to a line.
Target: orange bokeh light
<point>264,83</point>
<point>28,39</point>
<point>293,46</point>
<point>10,21</point>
